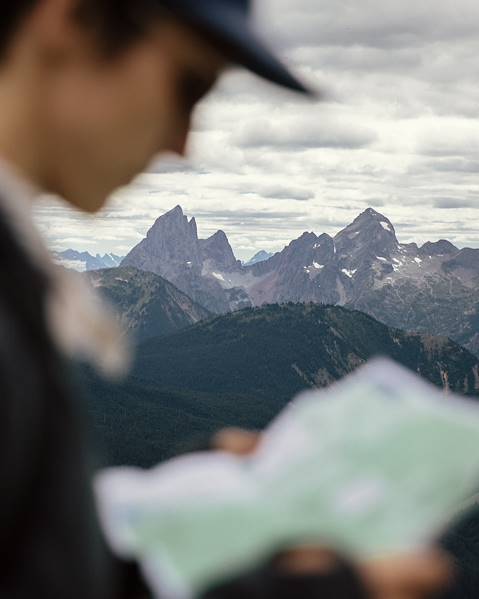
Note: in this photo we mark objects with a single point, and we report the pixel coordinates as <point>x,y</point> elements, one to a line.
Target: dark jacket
<point>51,543</point>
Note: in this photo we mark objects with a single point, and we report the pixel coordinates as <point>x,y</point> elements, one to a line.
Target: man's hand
<point>409,576</point>
<point>236,440</point>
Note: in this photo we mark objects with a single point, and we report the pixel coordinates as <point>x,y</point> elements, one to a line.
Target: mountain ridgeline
<point>146,304</point>
<point>241,369</point>
<point>276,351</point>
<point>84,261</point>
<point>431,289</point>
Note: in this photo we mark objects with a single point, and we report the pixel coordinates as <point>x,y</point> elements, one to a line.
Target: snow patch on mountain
<point>385,226</point>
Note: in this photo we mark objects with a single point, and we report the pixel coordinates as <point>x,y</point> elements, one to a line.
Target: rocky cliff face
<point>197,267</point>
<point>217,254</point>
<point>171,247</point>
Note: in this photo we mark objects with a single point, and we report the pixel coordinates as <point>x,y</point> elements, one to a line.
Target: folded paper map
<point>376,463</point>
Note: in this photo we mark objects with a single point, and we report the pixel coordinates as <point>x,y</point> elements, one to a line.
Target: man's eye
<point>193,88</point>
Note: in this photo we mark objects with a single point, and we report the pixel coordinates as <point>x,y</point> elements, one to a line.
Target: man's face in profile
<point>101,120</point>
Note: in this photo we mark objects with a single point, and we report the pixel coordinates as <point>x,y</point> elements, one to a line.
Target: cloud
<point>373,23</point>
<point>301,134</point>
<point>454,165</point>
<point>456,137</point>
<point>280,192</point>
<point>398,129</point>
<point>168,166</point>
<point>455,203</point>
<point>241,215</point>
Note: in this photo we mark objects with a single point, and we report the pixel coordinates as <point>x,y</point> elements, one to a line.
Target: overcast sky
<point>398,130</point>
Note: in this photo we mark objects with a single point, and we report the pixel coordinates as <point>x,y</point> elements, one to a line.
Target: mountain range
<point>146,304</point>
<point>84,261</point>
<point>432,288</point>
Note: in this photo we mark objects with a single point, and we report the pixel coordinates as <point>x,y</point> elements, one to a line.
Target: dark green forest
<point>241,369</point>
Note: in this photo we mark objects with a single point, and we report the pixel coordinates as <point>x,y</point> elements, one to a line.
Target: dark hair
<point>115,23</point>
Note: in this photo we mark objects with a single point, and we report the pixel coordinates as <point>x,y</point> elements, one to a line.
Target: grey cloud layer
<point>374,23</point>
<point>398,130</point>
<point>300,133</point>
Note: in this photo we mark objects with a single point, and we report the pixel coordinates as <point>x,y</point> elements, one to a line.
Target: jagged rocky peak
<point>306,240</point>
<point>467,258</point>
<point>217,238</point>
<point>370,230</point>
<point>260,256</point>
<point>369,219</point>
<point>170,246</point>
<point>324,238</point>
<point>438,248</point>
<point>311,241</point>
<point>176,211</point>
<point>174,220</point>
<point>193,227</point>
<point>174,228</point>
<point>218,252</point>
<point>307,250</point>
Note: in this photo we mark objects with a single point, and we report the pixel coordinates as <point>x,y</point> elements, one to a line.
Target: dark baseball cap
<point>229,22</point>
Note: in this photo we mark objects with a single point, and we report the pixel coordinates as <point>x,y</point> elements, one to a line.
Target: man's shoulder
<point>23,291</point>
<point>23,285</point>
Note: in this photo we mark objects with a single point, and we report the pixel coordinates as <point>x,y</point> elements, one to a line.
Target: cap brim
<point>232,28</point>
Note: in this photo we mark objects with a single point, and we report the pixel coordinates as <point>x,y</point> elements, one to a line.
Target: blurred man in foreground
<point>90,92</point>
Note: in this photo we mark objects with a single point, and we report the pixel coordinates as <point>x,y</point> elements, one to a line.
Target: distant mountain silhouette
<point>84,261</point>
<point>260,256</point>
